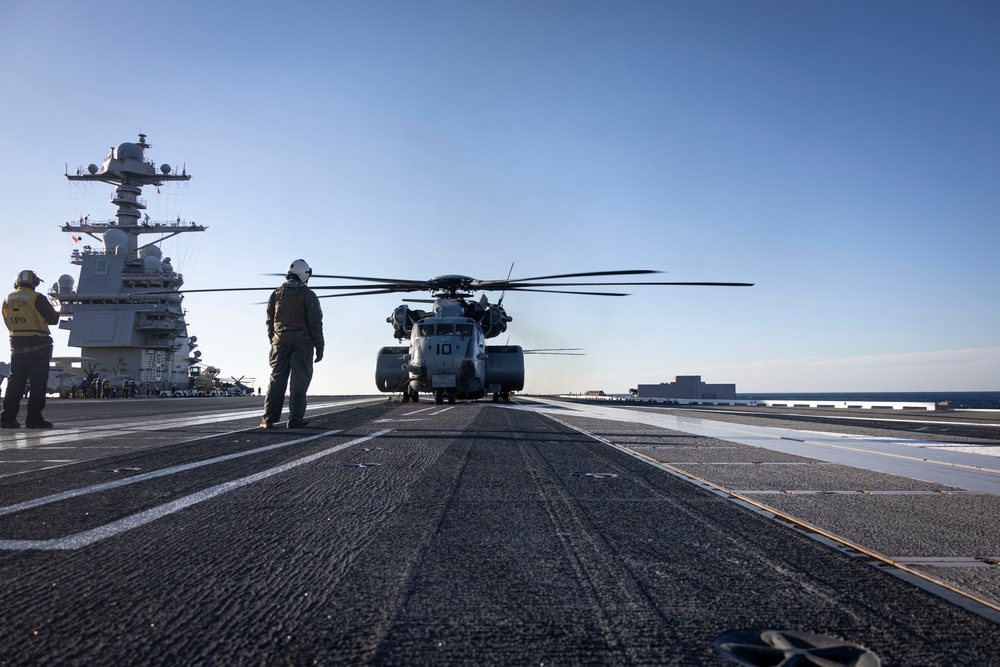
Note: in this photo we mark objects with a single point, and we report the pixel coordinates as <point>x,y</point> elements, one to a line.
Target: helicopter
<point>446,355</point>
<point>236,387</point>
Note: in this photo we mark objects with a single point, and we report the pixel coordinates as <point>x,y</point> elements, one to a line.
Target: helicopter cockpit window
<point>445,329</point>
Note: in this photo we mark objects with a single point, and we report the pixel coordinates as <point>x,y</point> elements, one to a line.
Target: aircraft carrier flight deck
<point>540,531</point>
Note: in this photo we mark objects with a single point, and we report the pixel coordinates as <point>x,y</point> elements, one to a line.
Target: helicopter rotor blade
<point>387,288</point>
<point>556,354</point>
<point>383,289</point>
<point>215,289</point>
<point>560,291</point>
<point>500,284</point>
<point>522,285</point>
<point>419,284</point>
<point>390,287</point>
<point>696,283</point>
<point>372,291</point>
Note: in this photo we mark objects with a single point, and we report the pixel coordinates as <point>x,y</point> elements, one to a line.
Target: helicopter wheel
<point>439,397</point>
<point>451,397</point>
<point>414,395</point>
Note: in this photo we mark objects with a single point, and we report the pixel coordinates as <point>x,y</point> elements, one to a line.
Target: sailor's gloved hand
<point>319,356</point>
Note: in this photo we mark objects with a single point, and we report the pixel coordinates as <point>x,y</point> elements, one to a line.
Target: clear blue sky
<point>843,156</point>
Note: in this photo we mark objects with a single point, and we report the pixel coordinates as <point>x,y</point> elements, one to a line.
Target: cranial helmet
<point>299,269</point>
<point>27,278</point>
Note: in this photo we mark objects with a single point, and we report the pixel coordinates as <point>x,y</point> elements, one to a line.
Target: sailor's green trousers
<point>293,358</point>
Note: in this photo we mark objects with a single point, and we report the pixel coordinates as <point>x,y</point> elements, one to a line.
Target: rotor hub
<point>452,286</point>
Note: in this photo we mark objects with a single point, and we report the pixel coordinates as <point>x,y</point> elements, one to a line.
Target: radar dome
<point>115,242</point>
<point>150,251</point>
<point>129,151</point>
<point>65,284</point>
<point>92,168</point>
<point>151,263</point>
<point>165,168</point>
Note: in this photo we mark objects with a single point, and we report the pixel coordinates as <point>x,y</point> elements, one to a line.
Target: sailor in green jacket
<point>295,329</point>
<point>27,315</point>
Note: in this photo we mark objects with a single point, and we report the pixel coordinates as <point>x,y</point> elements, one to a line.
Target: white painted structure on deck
<point>771,403</point>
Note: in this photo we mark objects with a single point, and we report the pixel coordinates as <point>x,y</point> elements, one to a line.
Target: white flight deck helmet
<point>299,269</point>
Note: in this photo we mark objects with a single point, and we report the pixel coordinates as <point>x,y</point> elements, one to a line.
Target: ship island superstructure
<point>125,312</point>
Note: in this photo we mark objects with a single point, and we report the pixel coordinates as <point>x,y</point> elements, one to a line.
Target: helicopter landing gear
<point>408,394</point>
<point>501,397</point>
<point>441,394</point>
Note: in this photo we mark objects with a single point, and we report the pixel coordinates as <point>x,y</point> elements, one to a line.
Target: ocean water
<point>979,400</point>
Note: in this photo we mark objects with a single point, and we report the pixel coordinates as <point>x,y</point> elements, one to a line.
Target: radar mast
<point>125,312</point>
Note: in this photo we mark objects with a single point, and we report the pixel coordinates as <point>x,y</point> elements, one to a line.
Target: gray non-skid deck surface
<point>940,529</point>
<point>475,534</point>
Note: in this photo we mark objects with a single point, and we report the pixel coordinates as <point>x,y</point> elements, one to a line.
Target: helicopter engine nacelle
<point>390,375</point>
<point>504,368</point>
<point>491,317</point>
<point>494,320</point>
<point>402,320</point>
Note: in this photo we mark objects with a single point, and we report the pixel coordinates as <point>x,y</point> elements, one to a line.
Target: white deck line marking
<point>94,535</point>
<point>888,417</point>
<point>104,486</point>
<point>25,438</point>
<point>963,598</point>
<point>977,472</point>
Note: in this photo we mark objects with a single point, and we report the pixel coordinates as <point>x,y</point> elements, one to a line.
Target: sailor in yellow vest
<point>27,315</point>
